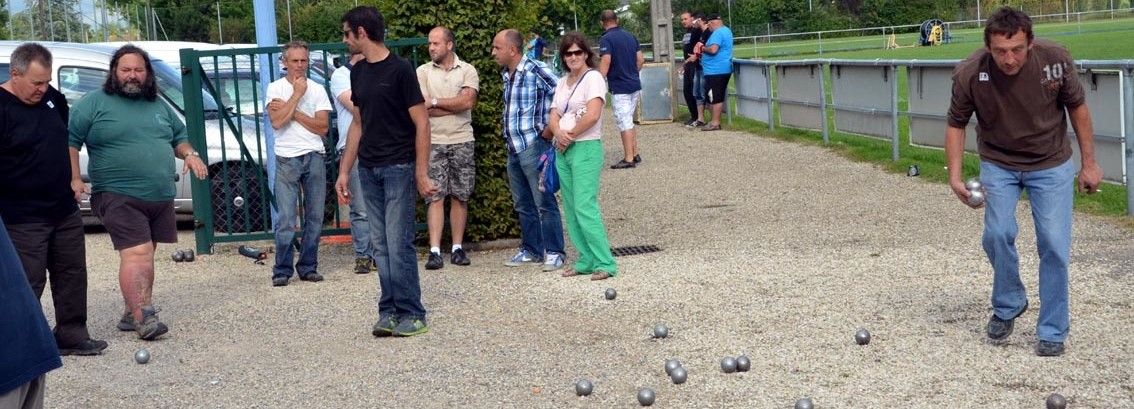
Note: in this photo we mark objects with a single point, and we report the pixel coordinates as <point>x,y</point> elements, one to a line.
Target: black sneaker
<point>126,323</point>
<point>623,164</point>
<point>87,347</point>
<point>435,262</point>
<point>998,329</point>
<point>689,123</point>
<point>149,328</point>
<point>279,281</point>
<point>637,159</point>
<point>362,265</point>
<point>1049,348</point>
<point>698,124</point>
<point>460,258</point>
<point>312,277</point>
<point>385,326</point>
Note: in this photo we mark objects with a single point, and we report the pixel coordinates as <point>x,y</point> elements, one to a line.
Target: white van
<point>81,68</point>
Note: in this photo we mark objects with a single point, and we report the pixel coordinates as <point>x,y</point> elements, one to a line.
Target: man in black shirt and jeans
<point>37,199</point>
<point>691,70</point>
<point>390,138</point>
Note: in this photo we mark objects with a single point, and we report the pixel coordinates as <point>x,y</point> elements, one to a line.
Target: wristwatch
<point>434,102</point>
<point>192,153</point>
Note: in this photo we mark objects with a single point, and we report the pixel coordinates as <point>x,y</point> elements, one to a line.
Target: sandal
<point>600,275</point>
<point>569,272</point>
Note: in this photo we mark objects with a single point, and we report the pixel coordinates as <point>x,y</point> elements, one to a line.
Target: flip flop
<point>600,275</point>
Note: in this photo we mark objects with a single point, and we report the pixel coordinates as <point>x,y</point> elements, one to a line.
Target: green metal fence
<point>227,125</point>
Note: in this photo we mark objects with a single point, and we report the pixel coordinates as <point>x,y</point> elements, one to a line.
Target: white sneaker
<point>521,258</point>
<point>553,262</point>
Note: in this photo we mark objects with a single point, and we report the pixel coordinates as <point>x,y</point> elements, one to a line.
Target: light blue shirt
<point>721,62</point>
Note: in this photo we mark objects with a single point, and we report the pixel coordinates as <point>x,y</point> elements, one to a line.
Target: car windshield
<point>169,82</point>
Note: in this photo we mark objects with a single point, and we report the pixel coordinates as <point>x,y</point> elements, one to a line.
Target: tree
<point>49,20</point>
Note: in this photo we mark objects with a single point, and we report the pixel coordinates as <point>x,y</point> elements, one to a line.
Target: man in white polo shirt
<point>300,117</point>
<point>449,86</point>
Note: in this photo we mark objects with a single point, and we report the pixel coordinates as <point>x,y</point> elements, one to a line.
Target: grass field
<point>1099,40</point>
<point>1094,40</point>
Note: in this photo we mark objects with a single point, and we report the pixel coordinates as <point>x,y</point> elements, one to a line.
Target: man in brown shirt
<point>1019,87</point>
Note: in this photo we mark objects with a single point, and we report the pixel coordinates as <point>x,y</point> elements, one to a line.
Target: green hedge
<point>474,24</point>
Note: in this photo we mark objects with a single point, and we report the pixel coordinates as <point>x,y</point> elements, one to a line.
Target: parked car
<point>81,68</point>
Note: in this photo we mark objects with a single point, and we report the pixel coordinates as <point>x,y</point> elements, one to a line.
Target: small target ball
<point>679,376</point>
<point>862,336</point>
<point>1056,401</point>
<point>178,256</point>
<point>142,356</point>
<point>584,387</point>
<point>743,364</point>
<point>728,364</point>
<point>646,396</point>
<point>804,403</point>
<point>611,293</point>
<point>670,365</point>
<point>661,331</point>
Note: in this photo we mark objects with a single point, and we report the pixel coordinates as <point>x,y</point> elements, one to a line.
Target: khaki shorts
<point>453,170</point>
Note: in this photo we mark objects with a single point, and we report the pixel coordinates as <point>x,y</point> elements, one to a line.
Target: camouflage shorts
<point>453,170</point>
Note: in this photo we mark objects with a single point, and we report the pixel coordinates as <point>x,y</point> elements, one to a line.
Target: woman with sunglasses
<point>576,123</point>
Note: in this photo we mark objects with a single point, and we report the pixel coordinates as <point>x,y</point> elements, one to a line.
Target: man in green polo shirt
<point>131,138</point>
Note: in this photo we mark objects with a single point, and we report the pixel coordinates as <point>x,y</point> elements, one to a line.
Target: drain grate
<point>633,250</point>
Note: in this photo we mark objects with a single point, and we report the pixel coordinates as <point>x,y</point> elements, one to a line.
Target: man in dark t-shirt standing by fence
<point>691,74</point>
<point>621,60</point>
<point>390,137</point>
<point>1019,90</point>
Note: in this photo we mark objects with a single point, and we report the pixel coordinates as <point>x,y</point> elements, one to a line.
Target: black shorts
<point>132,221</point>
<point>716,88</point>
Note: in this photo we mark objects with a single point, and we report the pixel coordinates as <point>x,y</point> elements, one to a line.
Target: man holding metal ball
<point>1019,87</point>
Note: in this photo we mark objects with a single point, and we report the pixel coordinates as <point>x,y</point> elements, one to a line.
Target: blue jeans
<point>359,227</point>
<point>1050,192</point>
<point>699,87</point>
<point>390,194</point>
<point>541,231</point>
<point>307,172</point>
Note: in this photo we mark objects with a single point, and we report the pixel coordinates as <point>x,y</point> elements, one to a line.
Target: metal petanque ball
<point>679,376</point>
<point>1056,401</point>
<point>610,293</point>
<point>804,403</point>
<point>142,356</point>
<point>661,331</point>
<point>177,256</point>
<point>646,396</point>
<point>743,364</point>
<point>913,171</point>
<point>862,336</point>
<point>584,387</point>
<point>670,365</point>
<point>728,364</point>
<point>188,255</point>
<point>973,184</point>
<point>976,198</point>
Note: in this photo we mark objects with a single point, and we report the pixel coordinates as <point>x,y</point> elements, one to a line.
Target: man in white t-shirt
<point>300,117</point>
<point>359,224</point>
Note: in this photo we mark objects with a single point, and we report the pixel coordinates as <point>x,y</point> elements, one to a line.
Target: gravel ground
<point>770,249</point>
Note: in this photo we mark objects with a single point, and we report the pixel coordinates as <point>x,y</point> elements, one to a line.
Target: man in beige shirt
<point>449,86</point>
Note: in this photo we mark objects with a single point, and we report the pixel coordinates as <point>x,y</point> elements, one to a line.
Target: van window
<point>4,74</point>
<point>74,82</point>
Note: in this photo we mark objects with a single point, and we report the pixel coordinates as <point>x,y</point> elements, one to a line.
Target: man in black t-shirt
<point>390,138</point>
<point>37,199</point>
<point>691,74</point>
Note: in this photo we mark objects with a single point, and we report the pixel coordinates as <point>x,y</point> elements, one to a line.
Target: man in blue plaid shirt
<point>528,86</point>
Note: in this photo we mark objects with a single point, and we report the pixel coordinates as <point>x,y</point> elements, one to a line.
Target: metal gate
<point>227,125</point>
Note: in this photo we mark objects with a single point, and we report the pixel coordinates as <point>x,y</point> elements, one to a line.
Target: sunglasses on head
<point>576,53</point>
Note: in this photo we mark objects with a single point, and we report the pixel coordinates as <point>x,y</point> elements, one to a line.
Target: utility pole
<point>661,18</point>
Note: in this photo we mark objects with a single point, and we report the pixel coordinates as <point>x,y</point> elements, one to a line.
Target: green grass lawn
<point>1103,40</point>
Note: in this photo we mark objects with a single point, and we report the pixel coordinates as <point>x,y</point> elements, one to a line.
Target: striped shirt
<point>527,101</point>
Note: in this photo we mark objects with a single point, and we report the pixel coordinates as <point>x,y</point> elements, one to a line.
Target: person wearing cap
<point>716,62</point>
